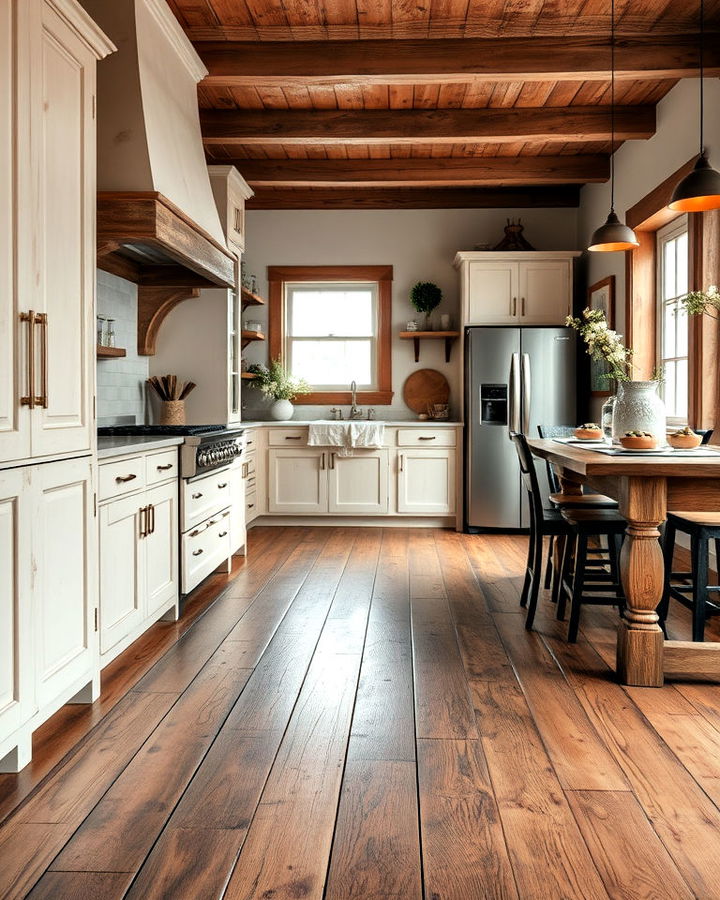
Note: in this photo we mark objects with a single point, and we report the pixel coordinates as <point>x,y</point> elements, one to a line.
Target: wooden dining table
<point>646,488</point>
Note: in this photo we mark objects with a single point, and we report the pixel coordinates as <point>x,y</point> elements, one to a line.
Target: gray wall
<point>419,244</point>
<point>120,382</point>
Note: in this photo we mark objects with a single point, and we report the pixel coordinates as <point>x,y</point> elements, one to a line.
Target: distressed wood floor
<point>362,715</point>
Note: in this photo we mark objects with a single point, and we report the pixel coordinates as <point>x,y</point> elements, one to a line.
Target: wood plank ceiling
<point>433,103</point>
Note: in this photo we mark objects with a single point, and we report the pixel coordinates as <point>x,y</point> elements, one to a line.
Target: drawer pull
<point>197,496</point>
<point>222,485</point>
<point>223,534</point>
<point>296,437</point>
<point>225,514</point>
<point>421,438</point>
<point>121,479</point>
<point>165,468</point>
<point>198,552</point>
<point>251,506</point>
<point>244,470</point>
<point>196,532</point>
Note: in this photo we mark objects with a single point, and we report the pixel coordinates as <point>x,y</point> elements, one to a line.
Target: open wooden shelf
<point>110,352</point>
<point>247,337</point>
<point>247,298</point>
<point>416,336</point>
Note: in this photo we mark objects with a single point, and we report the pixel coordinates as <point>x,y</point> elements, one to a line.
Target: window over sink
<point>332,325</point>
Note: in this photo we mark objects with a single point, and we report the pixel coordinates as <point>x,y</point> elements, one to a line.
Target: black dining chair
<point>577,532</point>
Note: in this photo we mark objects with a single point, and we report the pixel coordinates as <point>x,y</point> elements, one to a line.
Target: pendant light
<point>701,188</point>
<point>613,235</point>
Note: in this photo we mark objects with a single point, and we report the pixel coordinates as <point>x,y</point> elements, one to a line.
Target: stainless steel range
<point>211,496</point>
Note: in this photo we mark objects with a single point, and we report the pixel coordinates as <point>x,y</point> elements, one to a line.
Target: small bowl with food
<point>590,431</point>
<point>639,440</point>
<point>684,439</point>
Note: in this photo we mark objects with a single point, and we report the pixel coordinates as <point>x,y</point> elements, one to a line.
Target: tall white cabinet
<point>48,529</point>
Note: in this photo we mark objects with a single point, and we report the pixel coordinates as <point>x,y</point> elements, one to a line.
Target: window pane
<point>682,331</point>
<point>682,265</point>
<point>668,330</point>
<point>669,388</point>
<point>334,363</point>
<point>321,312</point>
<point>681,391</point>
<point>669,270</point>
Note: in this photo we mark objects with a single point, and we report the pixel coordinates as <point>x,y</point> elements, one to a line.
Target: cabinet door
<point>65,578</point>
<point>545,292</point>
<point>426,482</point>
<point>14,419</point>
<point>121,588</point>
<point>492,293</point>
<point>238,481</point>
<point>161,547</point>
<point>358,484</point>
<point>65,240</point>
<point>15,598</point>
<point>298,481</point>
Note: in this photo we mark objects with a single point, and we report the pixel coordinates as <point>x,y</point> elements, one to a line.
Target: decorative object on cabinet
<point>424,388</point>
<point>412,325</point>
<point>278,385</point>
<point>416,336</point>
<point>613,235</point>
<point>601,295</point>
<point>425,297</point>
<point>514,239</point>
<point>445,322</point>
<point>700,189</point>
<point>254,326</point>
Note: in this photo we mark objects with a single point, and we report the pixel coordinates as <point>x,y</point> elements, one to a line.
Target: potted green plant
<point>275,383</point>
<point>425,297</point>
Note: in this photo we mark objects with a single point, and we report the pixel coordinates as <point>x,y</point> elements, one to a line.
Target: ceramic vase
<point>639,408</point>
<point>281,410</point>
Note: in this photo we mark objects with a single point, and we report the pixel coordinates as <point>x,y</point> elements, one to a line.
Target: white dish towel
<point>346,435</point>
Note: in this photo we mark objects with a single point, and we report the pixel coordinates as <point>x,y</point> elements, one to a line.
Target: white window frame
<point>663,236</point>
<point>350,286</point>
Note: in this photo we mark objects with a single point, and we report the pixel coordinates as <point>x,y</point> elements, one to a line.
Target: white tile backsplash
<point>120,382</point>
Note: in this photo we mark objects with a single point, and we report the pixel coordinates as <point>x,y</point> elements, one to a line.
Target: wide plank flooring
<point>360,713</point>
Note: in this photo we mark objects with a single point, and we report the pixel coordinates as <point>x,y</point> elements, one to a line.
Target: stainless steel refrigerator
<point>515,380</point>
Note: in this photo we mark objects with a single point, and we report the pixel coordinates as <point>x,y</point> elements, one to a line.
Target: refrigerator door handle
<point>514,417</point>
<point>527,388</point>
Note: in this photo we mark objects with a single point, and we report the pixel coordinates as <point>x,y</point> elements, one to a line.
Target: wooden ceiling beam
<point>427,126</point>
<point>432,172</point>
<point>417,198</point>
<point>365,62</point>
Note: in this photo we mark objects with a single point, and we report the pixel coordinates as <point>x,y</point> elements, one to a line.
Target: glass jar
<point>606,418</point>
<point>110,333</point>
<point>101,331</point>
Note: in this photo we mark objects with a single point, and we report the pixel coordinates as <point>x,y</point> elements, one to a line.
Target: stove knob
<point>202,458</point>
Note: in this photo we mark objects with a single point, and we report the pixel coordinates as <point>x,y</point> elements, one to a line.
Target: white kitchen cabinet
<point>47,228</point>
<point>358,484</point>
<point>426,481</point>
<point>238,481</point>
<point>521,288</point>
<point>139,541</point>
<point>16,675</point>
<point>230,191</point>
<point>297,481</point>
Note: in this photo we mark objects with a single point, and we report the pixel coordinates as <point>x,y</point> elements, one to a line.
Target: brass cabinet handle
<point>297,437</point>
<point>401,462</point>
<point>322,462</point>
<point>244,470</point>
<point>29,398</point>
<point>514,305</point>
<point>197,496</point>
<point>225,514</point>
<point>121,479</point>
<point>222,485</point>
<point>151,510</point>
<point>195,532</point>
<point>522,306</point>
<point>197,552</point>
<point>165,468</point>
<point>143,521</point>
<point>432,438</point>
<point>41,319</point>
<point>223,534</point>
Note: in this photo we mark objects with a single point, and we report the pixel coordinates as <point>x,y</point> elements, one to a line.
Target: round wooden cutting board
<point>426,386</point>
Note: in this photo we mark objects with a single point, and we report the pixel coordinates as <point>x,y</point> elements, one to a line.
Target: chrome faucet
<point>355,411</point>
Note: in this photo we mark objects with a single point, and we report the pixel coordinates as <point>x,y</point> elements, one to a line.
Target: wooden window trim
<point>383,275</point>
<point>646,217</point>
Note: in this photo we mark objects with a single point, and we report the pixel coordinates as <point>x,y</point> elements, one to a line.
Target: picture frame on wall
<point>601,295</point>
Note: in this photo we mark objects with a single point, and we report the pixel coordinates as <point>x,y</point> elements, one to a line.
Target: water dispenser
<point>494,404</point>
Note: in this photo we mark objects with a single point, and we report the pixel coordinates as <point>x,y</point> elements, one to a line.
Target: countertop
<point>391,423</point>
<point>134,443</point>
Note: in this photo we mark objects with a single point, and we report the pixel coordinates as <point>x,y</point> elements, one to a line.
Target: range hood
<point>157,222</point>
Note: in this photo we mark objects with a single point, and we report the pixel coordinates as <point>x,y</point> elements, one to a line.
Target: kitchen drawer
<point>205,547</point>
<point>250,505</point>
<point>121,477</point>
<point>205,496</point>
<point>161,466</point>
<point>426,437</point>
<point>287,437</point>
<point>247,466</point>
<point>250,441</point>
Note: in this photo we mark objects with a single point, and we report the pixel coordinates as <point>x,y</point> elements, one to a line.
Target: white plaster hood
<point>149,137</point>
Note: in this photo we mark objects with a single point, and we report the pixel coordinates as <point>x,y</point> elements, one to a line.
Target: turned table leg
<point>640,639</point>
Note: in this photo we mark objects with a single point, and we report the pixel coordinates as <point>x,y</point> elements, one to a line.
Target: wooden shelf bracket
<point>154,304</point>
